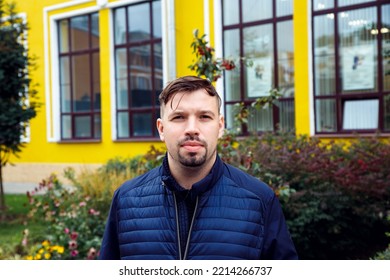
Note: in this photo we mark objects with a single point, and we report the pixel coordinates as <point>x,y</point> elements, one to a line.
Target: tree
<point>17,94</point>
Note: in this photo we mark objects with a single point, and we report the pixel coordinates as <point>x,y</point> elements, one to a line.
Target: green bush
<point>75,216</point>
<point>335,197</point>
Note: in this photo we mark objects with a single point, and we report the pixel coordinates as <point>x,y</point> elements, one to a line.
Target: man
<point>194,206</point>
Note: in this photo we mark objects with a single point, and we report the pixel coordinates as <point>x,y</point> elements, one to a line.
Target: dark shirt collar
<point>199,187</point>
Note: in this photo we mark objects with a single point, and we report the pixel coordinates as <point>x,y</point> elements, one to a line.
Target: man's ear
<point>221,126</point>
<point>160,128</point>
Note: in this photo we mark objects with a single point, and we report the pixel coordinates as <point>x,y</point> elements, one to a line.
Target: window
<point>79,66</point>
<point>262,32</point>
<point>351,41</point>
<point>138,69</point>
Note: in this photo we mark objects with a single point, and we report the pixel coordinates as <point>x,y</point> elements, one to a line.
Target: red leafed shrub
<point>335,196</point>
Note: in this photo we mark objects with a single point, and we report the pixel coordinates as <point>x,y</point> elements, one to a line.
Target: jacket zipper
<point>177,225</point>
<point>189,231</point>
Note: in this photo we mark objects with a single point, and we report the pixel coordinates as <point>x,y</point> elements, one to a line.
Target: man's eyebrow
<point>207,112</point>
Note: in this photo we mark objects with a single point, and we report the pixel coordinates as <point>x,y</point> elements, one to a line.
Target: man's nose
<point>192,127</point>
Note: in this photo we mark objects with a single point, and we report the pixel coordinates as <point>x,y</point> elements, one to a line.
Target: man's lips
<point>192,146</point>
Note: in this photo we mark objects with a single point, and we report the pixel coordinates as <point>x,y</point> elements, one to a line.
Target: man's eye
<point>205,117</point>
<point>177,118</point>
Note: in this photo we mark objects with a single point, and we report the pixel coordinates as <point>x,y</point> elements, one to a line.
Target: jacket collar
<point>199,187</point>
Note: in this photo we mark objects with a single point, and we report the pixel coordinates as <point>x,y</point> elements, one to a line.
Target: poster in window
<point>259,77</point>
<point>358,67</point>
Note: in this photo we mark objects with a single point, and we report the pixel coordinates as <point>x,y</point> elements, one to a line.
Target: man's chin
<point>192,160</point>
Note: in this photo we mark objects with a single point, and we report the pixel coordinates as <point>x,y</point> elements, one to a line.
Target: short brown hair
<point>187,84</point>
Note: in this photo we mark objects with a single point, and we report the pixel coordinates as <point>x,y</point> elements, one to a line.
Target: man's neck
<point>187,176</point>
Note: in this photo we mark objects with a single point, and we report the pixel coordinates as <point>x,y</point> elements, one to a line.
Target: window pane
<point>285,58</point>
<point>96,80</point>
<point>387,112</point>
<point>352,2</point>
<point>385,31</point>
<point>322,4</point>
<point>79,33</point>
<point>81,83</point>
<point>324,55</point>
<point>65,85</point>
<point>139,23</point>
<point>140,75</point>
<point>142,124</point>
<point>123,125</point>
<point>95,30</point>
<point>141,93</point>
<point>326,115</point>
<point>157,19</point>
<point>284,7</point>
<point>258,47</point>
<point>358,50</point>
<point>120,26</point>
<point>158,60</point>
<point>82,126</point>
<point>232,78</point>
<point>121,94</point>
<point>229,17</point>
<point>253,10</point>
<point>121,78</point>
<point>63,35</point>
<point>97,124</point>
<point>361,114</point>
<point>286,115</point>
<point>66,127</point>
<point>260,119</point>
<point>231,111</point>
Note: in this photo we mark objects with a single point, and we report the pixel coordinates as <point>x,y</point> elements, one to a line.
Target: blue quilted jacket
<point>234,216</point>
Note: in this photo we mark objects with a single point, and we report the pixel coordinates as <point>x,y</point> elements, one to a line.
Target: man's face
<point>190,126</point>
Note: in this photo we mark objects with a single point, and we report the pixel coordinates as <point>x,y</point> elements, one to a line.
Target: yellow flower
<point>47,256</point>
<point>45,243</point>
<point>38,257</point>
<point>60,249</point>
<point>29,258</point>
<point>41,251</point>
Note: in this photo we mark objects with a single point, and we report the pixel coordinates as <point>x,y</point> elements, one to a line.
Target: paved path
<point>18,188</point>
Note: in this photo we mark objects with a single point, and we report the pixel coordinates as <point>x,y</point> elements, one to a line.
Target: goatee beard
<point>192,159</point>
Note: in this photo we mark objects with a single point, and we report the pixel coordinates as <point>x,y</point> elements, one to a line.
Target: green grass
<point>16,221</point>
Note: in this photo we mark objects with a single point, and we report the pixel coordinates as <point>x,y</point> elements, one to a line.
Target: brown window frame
<point>154,108</point>
<point>338,97</point>
<point>274,20</point>
<point>94,111</point>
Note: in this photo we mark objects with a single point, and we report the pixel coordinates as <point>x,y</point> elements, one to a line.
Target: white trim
<point>53,106</point>
<point>310,70</point>
<point>218,48</point>
<point>206,19</point>
<point>121,3</point>
<point>52,136</point>
<point>101,3</point>
<point>169,40</point>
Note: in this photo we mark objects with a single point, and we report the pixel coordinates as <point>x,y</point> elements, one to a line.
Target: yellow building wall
<point>301,66</point>
<point>39,157</point>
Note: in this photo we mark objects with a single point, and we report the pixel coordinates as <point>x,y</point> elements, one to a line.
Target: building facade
<point>102,63</point>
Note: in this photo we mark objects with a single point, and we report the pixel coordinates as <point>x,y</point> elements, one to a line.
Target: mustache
<point>192,138</point>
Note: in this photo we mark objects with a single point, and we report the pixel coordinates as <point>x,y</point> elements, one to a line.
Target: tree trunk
<point>2,198</point>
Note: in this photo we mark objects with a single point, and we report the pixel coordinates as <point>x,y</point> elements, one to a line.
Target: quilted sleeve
<point>278,244</point>
<point>110,246</point>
